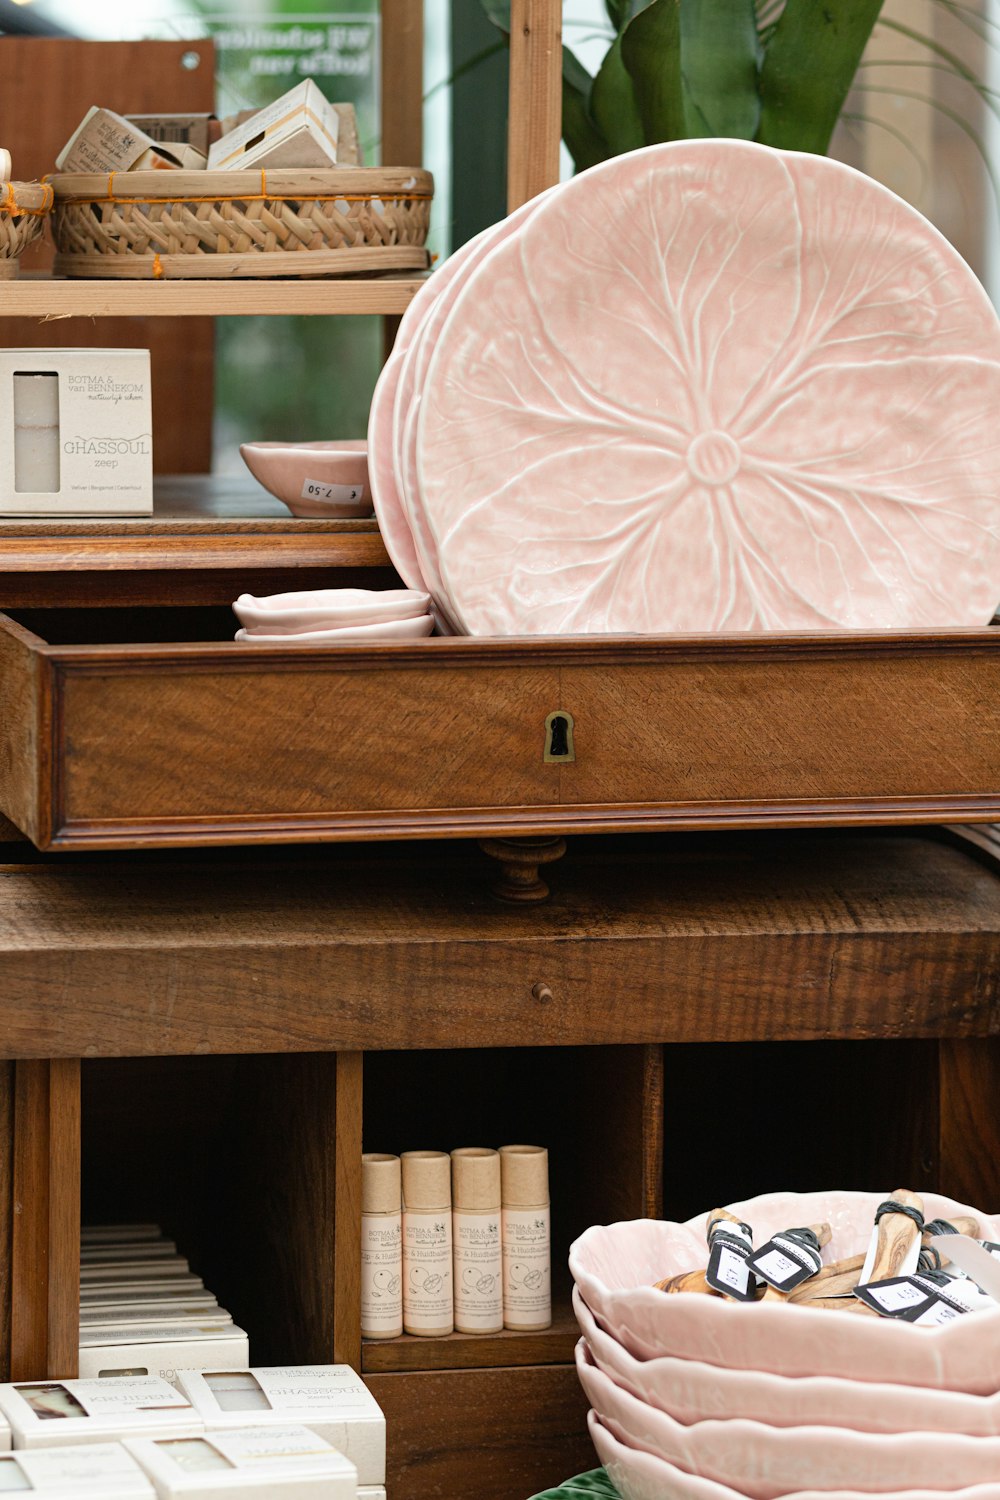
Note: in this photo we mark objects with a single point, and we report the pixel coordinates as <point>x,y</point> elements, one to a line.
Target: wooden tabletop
<point>646,939</point>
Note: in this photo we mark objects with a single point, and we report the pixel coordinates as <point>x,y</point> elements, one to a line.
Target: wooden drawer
<point>148,727</point>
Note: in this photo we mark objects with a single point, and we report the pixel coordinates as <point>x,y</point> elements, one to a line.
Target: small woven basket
<point>336,222</point>
<point>24,207</point>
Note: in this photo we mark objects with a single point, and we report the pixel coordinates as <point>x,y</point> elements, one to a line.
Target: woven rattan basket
<point>251,223</point>
<point>23,210</point>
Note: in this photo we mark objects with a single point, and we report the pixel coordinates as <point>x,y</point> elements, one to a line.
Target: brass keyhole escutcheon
<point>559,737</point>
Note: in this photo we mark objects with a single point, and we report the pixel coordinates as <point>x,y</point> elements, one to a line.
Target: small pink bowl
<point>765,1462</point>
<point>641,1476</point>
<point>695,1392</point>
<point>615,1266</point>
<point>315,480</point>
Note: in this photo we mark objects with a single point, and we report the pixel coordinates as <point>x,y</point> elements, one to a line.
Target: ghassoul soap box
<point>54,1413</point>
<point>79,425</point>
<point>162,1348</point>
<point>282,1462</point>
<point>331,1400</point>
<point>103,1471</point>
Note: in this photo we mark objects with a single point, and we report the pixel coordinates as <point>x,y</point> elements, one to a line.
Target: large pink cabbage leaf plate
<point>710,387</point>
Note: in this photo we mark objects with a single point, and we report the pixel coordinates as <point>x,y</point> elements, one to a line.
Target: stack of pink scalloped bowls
<point>702,387</point>
<point>698,1398</point>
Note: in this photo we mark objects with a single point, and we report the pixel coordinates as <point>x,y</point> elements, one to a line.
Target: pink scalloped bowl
<point>615,1265</point>
<point>767,1462</point>
<point>642,1476</point>
<point>692,1391</point>
<point>297,473</point>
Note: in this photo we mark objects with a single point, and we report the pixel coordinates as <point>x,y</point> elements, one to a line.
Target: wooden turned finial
<point>520,860</point>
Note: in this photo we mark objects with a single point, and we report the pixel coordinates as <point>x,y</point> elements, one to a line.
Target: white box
<point>144,1314</point>
<point>101,1470</point>
<point>371,1492</point>
<point>135,1270</point>
<point>119,1234</point>
<point>4,1435</point>
<point>288,1462</point>
<point>162,1349</point>
<point>332,1400</point>
<point>94,1255</point>
<point>300,129</point>
<point>144,1293</point>
<point>56,1413</point>
<point>79,425</point>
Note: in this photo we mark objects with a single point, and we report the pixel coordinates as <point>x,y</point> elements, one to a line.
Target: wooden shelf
<point>50,297</point>
<point>204,532</point>
<point>473,1351</point>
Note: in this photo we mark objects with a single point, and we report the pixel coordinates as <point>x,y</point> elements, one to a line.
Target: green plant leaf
<point>498,11</point>
<point>593,1486</point>
<point>651,52</point>
<point>720,57</point>
<point>584,142</point>
<point>809,65</point>
<point>613,106</point>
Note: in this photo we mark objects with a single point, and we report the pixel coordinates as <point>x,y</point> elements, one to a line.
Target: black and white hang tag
<point>787,1260</point>
<point>728,1270</point>
<point>924,1300</point>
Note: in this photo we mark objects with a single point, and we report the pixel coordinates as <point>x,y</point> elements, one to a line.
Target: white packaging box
<point>162,1349</point>
<point>100,1471</point>
<point>141,1293</point>
<point>288,1462</point>
<point>332,1400</point>
<point>58,1413</point>
<point>79,425</point>
<point>300,129</point>
<point>371,1492</point>
<point>163,1269</point>
<point>173,1310</point>
<point>119,1234</point>
<point>94,1255</point>
<point>4,1435</point>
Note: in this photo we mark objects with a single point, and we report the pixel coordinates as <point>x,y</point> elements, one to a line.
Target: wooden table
<point>224,1033</point>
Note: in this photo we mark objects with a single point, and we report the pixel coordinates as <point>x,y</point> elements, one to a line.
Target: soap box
<point>92,1255</point>
<point>4,1435</point>
<point>106,142</point>
<point>162,1269</point>
<point>119,1234</point>
<point>171,131</point>
<point>284,1462</point>
<point>110,1289</point>
<point>79,425</point>
<point>162,1349</point>
<point>101,1470</point>
<point>298,130</point>
<point>332,1400</point>
<point>56,1413</point>
<point>171,1310</point>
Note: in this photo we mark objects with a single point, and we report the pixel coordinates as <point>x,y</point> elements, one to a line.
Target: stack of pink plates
<point>706,386</point>
<point>696,1398</point>
<point>334,617</point>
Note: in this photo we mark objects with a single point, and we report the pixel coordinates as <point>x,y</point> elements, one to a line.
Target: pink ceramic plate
<point>641,1476</point>
<point>329,609</point>
<point>766,1462</point>
<point>416,359</point>
<point>615,1266</point>
<point>695,1392</point>
<point>387,630</point>
<point>713,387</point>
<point>392,522</point>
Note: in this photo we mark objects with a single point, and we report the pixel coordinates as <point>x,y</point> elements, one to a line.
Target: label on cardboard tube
<point>381,1275</point>
<point>478,1272</point>
<point>427,1272</point>
<point>527,1271</point>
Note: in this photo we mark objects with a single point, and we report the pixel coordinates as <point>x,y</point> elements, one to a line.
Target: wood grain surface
<point>179,742</point>
<point>644,941</point>
<point>45,297</point>
<point>534,121</point>
<point>969,1088</point>
<point>7,1089</point>
<point>472,1351</point>
<point>494,1434</point>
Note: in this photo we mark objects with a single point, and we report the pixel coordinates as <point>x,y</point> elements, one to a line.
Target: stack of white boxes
<point>309,1432</point>
<point>144,1312</point>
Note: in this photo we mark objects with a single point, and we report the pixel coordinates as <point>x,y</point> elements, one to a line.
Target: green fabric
<point>593,1486</point>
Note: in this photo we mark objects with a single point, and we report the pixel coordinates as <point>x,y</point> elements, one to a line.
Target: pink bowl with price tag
<point>318,481</point>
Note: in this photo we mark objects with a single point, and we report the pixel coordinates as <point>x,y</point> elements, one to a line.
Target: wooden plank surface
<point>64,1218</point>
<point>7,1088</point>
<point>492,1434</point>
<point>472,1351</point>
<point>402,73</point>
<point>24,727</point>
<point>47,299</point>
<point>534,124</point>
<point>347,1150</point>
<point>644,941</point>
<point>135,76</point>
<point>969,1087</point>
